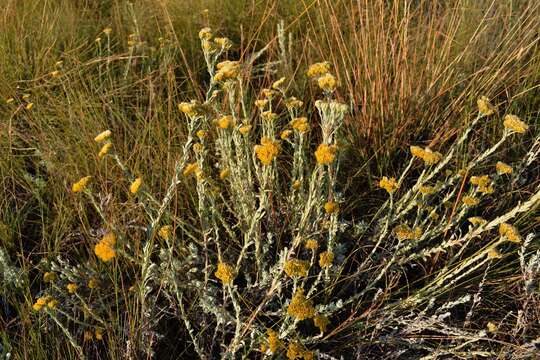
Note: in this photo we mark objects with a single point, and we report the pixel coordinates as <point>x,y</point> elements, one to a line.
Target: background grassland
<point>411,72</point>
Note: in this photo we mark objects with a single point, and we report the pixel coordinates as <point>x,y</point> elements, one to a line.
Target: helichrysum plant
<point>269,266</point>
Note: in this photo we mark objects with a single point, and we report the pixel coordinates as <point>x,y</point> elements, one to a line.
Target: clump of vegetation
<point>243,226</point>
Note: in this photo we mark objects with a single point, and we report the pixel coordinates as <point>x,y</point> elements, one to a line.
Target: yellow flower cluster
<point>404,232</point>
<point>326,259</point>
<point>269,93</point>
<point>223,174</point>
<point>135,185</point>
<point>227,70</point>
<point>484,106</point>
<point>513,123</point>
<point>312,244</point>
<point>285,134</point>
<point>503,168</point>
<point>429,157</point>
<point>244,129</point>
<point>509,232</point>
<point>318,69</point>
<point>267,151</point>
<point>192,168</point>
<point>300,307</point>
<point>296,268</point>
<point>192,109</point>
<point>225,122</point>
<point>493,253</point>
<point>43,301</point>
<point>93,283</point>
<point>327,82</point>
<point>300,124</point>
<point>325,154</point>
<point>225,272</point>
<point>49,277</point>
<point>278,84</point>
<point>477,220</point>
<point>104,150</point>
<point>331,207</point>
<point>166,232</point>
<point>321,322</point>
<point>274,344</point>
<point>261,103</point>
<point>72,288</point>
<point>201,134</point>
<point>297,351</point>
<point>269,116</point>
<point>223,42</point>
<point>205,33</point>
<point>483,183</point>
<point>103,136</point>
<point>388,184</point>
<point>427,190</point>
<point>104,248</point>
<point>81,184</point>
<point>470,201</point>
<point>293,103</point>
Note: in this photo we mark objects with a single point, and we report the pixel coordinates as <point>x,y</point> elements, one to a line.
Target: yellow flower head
<point>192,109</point>
<point>269,93</point>
<point>223,174</point>
<point>81,184</point>
<point>225,122</point>
<point>104,150</point>
<point>278,83</point>
<point>477,221</point>
<point>201,134</point>
<point>104,248</point>
<point>93,283</point>
<point>103,136</point>
<point>318,69</point>
<point>166,232</point>
<point>427,190</point>
<point>493,253</point>
<point>470,201</point>
<point>135,185</point>
<point>273,341</point>
<point>225,272</point>
<point>244,129</point>
<point>29,106</point>
<point>300,124</point>
<point>298,351</point>
<point>331,207</point>
<point>480,180</point>
<point>198,147</point>
<point>491,327</point>
<point>192,168</point>
<point>52,304</point>
<point>296,184</point>
<point>49,277</point>
<point>429,157</point>
<point>293,103</point>
<point>107,31</point>
<point>325,154</point>
<point>484,106</point>
<point>227,70</point>
<point>503,168</point>
<point>88,335</point>
<point>267,151</point>
<point>509,232</point>
<point>388,184</point>
<point>99,334</point>
<point>71,288</point>
<point>326,259</point>
<point>285,134</point>
<point>205,33</point>
<point>261,103</point>
<point>321,322</point>
<point>10,100</point>
<point>327,82</point>
<point>269,116</point>
<point>40,303</point>
<point>296,268</point>
<point>404,232</point>
<point>312,244</point>
<point>300,307</point>
<point>223,42</point>
<point>513,123</point>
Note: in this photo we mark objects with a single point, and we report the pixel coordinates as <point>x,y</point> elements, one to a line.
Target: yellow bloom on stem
<point>198,147</point>
<point>274,343</point>
<point>223,174</point>
<point>10,100</point>
<point>296,184</point>
<point>71,288</point>
<point>166,232</point>
<point>269,93</point>
<point>300,307</point>
<point>102,136</point>
<point>104,150</point>
<point>331,207</point>
<point>321,322</point>
<point>493,253</point>
<point>326,259</point>
<point>52,304</point>
<point>269,116</point>
<point>429,157</point>
<point>509,232</point>
<point>470,201</point>
<point>293,103</point>
<point>244,129</point>
<point>481,181</point>
<point>104,248</point>
<point>192,168</point>
<point>513,123</point>
<point>88,335</point>
<point>205,33</point>
<point>99,334</point>
<point>267,151</point>
<point>223,42</point>
<point>225,272</point>
<point>477,221</point>
<point>261,103</point>
<point>388,184</point>
<point>278,83</point>
<point>300,124</point>
<point>404,232</point>
<point>285,134</point>
<point>296,268</point>
<point>312,244</point>
<point>503,168</point>
<point>225,122</point>
<point>327,82</point>
<point>81,184</point>
<point>491,327</point>
<point>201,134</point>
<point>298,351</point>
<point>318,69</point>
<point>93,283</point>
<point>484,106</point>
<point>49,277</point>
<point>427,190</point>
<point>325,154</point>
<point>227,70</point>
<point>135,185</point>
<point>40,303</point>
<point>29,106</point>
